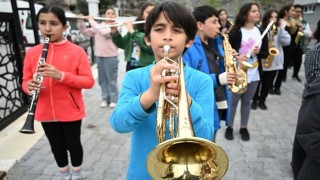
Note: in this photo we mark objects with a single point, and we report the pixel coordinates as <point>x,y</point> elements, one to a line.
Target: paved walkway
<point>266,156</point>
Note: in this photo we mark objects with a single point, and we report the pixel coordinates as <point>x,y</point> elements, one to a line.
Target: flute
<point>120,24</point>
<point>28,126</point>
<point>262,36</point>
<point>95,18</point>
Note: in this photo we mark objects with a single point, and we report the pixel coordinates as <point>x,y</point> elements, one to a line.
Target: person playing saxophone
<point>246,37</point>
<point>301,38</point>
<point>207,55</point>
<point>278,37</point>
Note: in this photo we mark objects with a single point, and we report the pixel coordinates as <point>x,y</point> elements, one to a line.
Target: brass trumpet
<point>183,156</point>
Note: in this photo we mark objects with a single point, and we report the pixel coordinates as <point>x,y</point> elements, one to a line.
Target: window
<point>29,22</point>
<point>309,9</point>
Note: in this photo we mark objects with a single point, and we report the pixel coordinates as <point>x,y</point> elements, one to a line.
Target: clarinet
<point>28,127</point>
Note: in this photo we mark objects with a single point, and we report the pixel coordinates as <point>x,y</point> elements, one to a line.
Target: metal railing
<point>13,102</point>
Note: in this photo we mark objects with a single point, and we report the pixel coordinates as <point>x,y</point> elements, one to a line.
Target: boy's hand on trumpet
<point>157,78</point>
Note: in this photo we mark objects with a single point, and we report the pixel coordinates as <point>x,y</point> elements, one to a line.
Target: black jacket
<point>306,148</point>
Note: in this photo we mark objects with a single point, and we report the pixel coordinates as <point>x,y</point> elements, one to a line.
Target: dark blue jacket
<point>196,58</point>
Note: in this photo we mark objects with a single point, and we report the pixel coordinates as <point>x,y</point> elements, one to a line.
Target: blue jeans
<point>107,76</point>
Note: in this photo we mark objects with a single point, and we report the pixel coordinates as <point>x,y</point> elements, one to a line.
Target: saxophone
<point>299,33</point>
<point>272,50</point>
<point>232,66</point>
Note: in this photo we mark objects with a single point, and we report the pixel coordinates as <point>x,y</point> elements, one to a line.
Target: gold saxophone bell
<point>299,33</point>
<point>183,156</point>
<point>267,63</point>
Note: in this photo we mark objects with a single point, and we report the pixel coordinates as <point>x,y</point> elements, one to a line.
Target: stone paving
<point>265,157</point>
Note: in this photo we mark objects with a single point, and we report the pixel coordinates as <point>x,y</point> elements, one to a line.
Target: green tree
<point>82,6</point>
<point>214,3</point>
<point>273,4</point>
<point>103,5</point>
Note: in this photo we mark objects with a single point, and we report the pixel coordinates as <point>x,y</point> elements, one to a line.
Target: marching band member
<point>244,37</point>
<point>137,53</point>
<point>278,37</point>
<point>106,55</point>
<point>60,107</point>
<point>168,24</point>
<point>206,54</point>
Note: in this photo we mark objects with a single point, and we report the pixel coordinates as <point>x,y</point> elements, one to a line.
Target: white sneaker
<point>68,177</point>
<point>112,105</point>
<point>103,104</point>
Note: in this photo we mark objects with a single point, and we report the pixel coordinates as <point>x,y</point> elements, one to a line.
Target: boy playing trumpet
<point>173,25</point>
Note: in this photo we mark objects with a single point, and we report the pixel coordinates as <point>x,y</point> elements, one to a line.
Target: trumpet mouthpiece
<point>166,48</point>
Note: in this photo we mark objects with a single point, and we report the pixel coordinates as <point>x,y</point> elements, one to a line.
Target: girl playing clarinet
<point>60,107</point>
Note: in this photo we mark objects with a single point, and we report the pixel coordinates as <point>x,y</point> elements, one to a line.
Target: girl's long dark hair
<point>243,14</point>
<point>283,10</point>
<point>228,24</point>
<point>144,6</point>
<point>266,19</point>
<point>57,11</point>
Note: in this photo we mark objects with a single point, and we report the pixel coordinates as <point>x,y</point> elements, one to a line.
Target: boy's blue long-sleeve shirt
<point>129,116</point>
<point>195,57</point>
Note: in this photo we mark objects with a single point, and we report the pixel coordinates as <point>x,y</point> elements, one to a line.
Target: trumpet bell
<point>187,158</point>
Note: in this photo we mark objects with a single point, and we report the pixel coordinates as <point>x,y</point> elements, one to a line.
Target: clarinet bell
<point>28,127</point>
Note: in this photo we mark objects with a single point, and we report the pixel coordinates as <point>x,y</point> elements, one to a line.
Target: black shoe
<point>284,79</point>
<point>262,106</point>
<point>229,133</point>
<point>244,134</point>
<point>271,91</point>
<point>277,91</point>
<point>297,78</point>
<point>254,105</point>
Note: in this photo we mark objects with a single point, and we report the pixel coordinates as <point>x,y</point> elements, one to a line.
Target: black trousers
<point>264,85</point>
<point>63,137</point>
<point>297,60</point>
<point>287,52</point>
